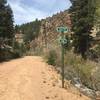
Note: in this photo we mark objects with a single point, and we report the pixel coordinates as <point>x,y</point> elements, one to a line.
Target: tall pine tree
<point>6,21</point>
<point>97,15</point>
<point>82,15</point>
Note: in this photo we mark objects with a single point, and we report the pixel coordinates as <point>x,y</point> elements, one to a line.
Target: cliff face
<point>48,33</point>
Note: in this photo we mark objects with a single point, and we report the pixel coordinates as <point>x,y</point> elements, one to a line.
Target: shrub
<point>51,57</point>
<point>96,77</point>
<point>6,55</point>
<point>85,71</point>
<point>19,49</point>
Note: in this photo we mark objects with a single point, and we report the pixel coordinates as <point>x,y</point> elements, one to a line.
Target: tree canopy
<point>30,30</point>
<point>82,16</point>
<point>6,20</point>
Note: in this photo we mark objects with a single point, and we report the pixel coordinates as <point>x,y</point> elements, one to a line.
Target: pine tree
<point>9,22</point>
<point>6,21</point>
<point>30,30</point>
<point>82,15</point>
<point>97,15</point>
<point>2,14</point>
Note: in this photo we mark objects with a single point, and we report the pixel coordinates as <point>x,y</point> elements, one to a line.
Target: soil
<point>30,78</point>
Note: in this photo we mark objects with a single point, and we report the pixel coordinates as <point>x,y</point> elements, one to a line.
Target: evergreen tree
<point>6,21</point>
<point>16,28</point>
<point>82,15</point>
<point>9,22</point>
<point>30,30</point>
<point>97,15</point>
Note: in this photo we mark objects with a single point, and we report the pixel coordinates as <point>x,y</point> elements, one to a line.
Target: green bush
<point>76,67</point>
<point>16,54</point>
<point>98,50</point>
<point>51,57</point>
<point>6,55</point>
<point>19,49</point>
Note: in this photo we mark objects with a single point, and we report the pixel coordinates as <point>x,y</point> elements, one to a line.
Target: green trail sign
<point>63,41</point>
<point>62,29</point>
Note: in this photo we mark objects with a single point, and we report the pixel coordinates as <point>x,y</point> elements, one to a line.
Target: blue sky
<point>28,10</point>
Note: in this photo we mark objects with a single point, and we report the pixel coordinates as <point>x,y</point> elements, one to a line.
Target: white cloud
<point>46,2</point>
<point>24,13</point>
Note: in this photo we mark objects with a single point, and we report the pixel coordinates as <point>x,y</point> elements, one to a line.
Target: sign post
<point>63,41</point>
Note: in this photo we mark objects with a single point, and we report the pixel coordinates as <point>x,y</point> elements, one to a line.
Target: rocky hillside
<point>48,32</point>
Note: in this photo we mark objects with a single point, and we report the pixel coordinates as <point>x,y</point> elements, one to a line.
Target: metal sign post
<point>63,41</point>
<point>62,62</point>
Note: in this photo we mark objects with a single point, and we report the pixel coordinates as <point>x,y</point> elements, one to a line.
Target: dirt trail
<point>29,78</point>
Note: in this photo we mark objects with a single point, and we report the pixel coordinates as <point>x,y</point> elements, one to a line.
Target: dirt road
<point>29,78</point>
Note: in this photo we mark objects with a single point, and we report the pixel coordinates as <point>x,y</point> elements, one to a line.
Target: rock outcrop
<point>48,33</point>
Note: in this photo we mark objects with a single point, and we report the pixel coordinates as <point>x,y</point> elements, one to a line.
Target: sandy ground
<point>29,78</point>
